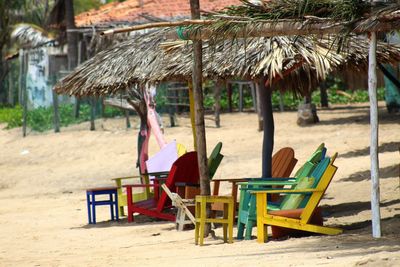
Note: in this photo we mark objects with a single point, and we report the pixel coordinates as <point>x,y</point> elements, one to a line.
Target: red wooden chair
<point>184,170</point>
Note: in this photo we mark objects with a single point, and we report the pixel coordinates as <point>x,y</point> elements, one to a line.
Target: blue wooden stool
<point>92,203</point>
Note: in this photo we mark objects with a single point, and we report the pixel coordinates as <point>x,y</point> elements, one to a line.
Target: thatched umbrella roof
<point>151,58</point>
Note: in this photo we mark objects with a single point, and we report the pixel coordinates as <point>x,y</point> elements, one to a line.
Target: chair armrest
<point>235,180</point>
<point>124,178</point>
<point>269,183</point>
<point>286,191</point>
<point>141,185</point>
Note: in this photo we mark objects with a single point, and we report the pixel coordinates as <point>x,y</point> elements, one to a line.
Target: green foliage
<point>85,5</point>
<point>294,9</point>
<point>111,112</point>
<point>11,116</point>
<point>41,119</point>
<point>290,102</point>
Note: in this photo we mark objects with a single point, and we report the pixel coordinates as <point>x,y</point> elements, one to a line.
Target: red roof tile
<point>131,11</point>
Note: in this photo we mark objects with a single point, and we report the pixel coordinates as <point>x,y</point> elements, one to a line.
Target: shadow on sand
<point>387,172</point>
<point>386,147</point>
<point>352,208</point>
<point>384,118</point>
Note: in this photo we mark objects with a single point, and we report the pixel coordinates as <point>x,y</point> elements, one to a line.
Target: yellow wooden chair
<point>302,221</point>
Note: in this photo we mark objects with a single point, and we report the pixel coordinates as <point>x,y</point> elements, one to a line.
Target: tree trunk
<point>72,37</point>
<point>376,216</point>
<point>269,127</point>
<point>324,95</point>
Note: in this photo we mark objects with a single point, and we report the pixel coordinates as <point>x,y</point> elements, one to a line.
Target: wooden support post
<point>240,97</point>
<point>229,93</point>
<point>217,106</point>
<point>24,93</point>
<point>281,105</point>
<point>128,123</point>
<point>199,108</point>
<point>253,96</point>
<point>324,95</point>
<point>56,118</point>
<point>21,76</point>
<point>92,113</point>
<point>259,107</point>
<point>77,107</point>
<point>10,95</point>
<point>192,114</point>
<point>372,81</point>
<point>269,128</point>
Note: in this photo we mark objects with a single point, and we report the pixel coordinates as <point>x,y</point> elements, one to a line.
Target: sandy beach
<point>43,177</point>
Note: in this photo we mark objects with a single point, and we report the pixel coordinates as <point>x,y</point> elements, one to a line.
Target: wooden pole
<point>20,76</point>
<point>24,93</point>
<point>56,118</point>
<point>372,81</point>
<point>192,115</point>
<point>281,104</point>
<point>268,125</point>
<point>128,123</point>
<point>199,108</point>
<point>259,107</point>
<point>92,113</point>
<point>324,95</point>
<point>268,28</point>
<point>229,93</point>
<point>217,106</point>
<point>10,95</point>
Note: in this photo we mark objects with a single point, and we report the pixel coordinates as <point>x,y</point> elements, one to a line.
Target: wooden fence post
<point>376,216</point>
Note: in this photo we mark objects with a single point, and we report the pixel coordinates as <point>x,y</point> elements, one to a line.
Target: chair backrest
<point>215,159</point>
<point>316,197</point>
<point>294,201</point>
<point>310,164</point>
<point>283,162</point>
<point>184,170</point>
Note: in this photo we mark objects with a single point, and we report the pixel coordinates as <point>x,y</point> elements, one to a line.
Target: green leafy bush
<point>11,116</point>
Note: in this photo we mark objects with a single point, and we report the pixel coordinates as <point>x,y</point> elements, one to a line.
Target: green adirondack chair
<point>247,205</point>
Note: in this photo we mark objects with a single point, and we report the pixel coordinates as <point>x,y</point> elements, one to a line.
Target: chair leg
<point>111,207</point>
<point>231,217</point>
<point>129,203</point>
<point>93,208</point>
<point>89,208</point>
<point>197,224</point>
<point>240,231</point>
<point>203,216</point>
<point>182,217</point>
<point>249,229</point>
<point>116,206</point>
<point>121,210</point>
<point>224,225</point>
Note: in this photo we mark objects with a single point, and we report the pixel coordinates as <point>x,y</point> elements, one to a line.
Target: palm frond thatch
<point>151,58</point>
<point>30,35</point>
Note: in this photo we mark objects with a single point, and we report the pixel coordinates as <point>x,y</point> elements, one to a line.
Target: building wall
<point>43,66</point>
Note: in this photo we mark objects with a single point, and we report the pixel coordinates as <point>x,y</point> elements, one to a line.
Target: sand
<point>43,217</point>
